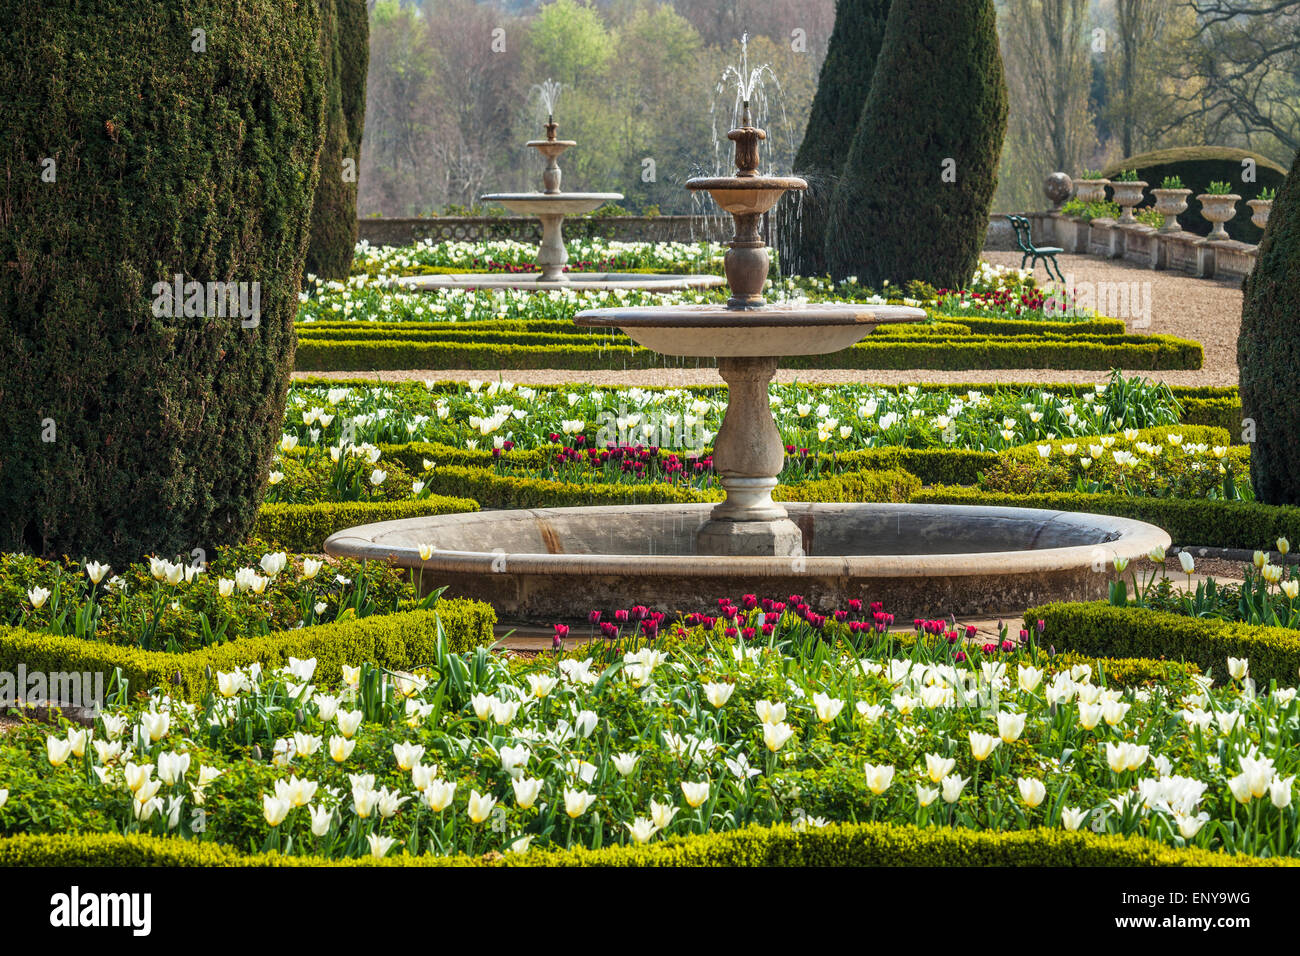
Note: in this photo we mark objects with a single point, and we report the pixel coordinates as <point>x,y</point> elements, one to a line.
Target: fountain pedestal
<point>748,456</point>
<point>551,255</point>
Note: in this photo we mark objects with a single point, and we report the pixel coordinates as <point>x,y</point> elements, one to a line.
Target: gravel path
<point>1204,310</point>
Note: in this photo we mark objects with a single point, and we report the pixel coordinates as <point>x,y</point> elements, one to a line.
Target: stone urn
<point>1171,203</point>
<point>1259,211</point>
<point>1090,190</point>
<point>1128,195</point>
<point>1218,209</point>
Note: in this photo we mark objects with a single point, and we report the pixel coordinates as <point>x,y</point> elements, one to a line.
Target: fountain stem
<point>748,457</point>
<point>746,263</point>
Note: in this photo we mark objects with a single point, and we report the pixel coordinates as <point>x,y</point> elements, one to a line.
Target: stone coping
<point>537,542</point>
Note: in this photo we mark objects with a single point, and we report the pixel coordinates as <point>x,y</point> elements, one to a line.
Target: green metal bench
<point>1033,253</point>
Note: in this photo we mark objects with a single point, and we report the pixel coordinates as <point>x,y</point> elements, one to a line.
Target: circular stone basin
<point>768,330</point>
<point>580,281</point>
<point>552,204</point>
<point>555,564</point>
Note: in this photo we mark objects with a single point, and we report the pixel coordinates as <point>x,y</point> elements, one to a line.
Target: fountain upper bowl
<point>747,195</point>
<point>715,331</point>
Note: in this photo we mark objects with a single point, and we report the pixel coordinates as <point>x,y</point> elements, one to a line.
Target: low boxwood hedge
<point>492,489</point>
<point>1215,412</point>
<point>396,641</point>
<point>1153,352</point>
<point>1101,629</point>
<point>305,527</point>
<point>844,844</point>
<point>939,324</point>
<point>1212,524</point>
<point>981,325</point>
<point>932,466</point>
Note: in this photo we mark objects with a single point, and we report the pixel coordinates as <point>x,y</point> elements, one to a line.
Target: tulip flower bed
<point>507,255</point>
<point>173,607</point>
<point>370,294</point>
<point>829,419</point>
<point>1177,462</point>
<point>665,730</point>
<point>1266,597</point>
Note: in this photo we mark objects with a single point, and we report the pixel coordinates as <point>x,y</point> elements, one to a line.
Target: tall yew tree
<point>345,49</point>
<point>141,141</point>
<point>842,90</point>
<point>913,198</point>
<point>1268,351</point>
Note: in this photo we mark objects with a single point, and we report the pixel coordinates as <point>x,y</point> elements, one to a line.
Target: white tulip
<point>1072,817</point>
<point>480,806</point>
<point>642,829</point>
<point>770,712</point>
<point>952,787</point>
<point>625,763</point>
<point>695,793</point>
<point>776,735</point>
<point>1010,726</point>
<point>1031,791</point>
<point>527,790</point>
<point>828,708</point>
<point>879,777</point>
<point>718,694</point>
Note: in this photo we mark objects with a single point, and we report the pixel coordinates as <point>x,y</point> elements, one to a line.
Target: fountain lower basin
<point>554,564</point>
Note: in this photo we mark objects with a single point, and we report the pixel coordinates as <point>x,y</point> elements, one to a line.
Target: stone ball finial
<point>1057,188</point>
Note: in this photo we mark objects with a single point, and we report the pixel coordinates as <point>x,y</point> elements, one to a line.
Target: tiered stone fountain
<point>551,206</point>
<point>748,337</point>
<point>553,564</point>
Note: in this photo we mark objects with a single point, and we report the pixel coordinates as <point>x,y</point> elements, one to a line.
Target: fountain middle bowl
<point>555,564</point>
<point>715,331</point>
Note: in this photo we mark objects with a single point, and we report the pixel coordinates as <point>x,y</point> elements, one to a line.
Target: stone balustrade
<point>392,231</point>
<point>1177,251</point>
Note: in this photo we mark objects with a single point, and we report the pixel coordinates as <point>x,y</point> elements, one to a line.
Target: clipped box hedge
<point>492,489</point>
<point>1153,352</point>
<point>981,325</point>
<point>1212,524</point>
<point>932,466</point>
<point>954,324</point>
<point>396,641</point>
<point>842,844</point>
<point>305,527</point>
<point>1098,628</point>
